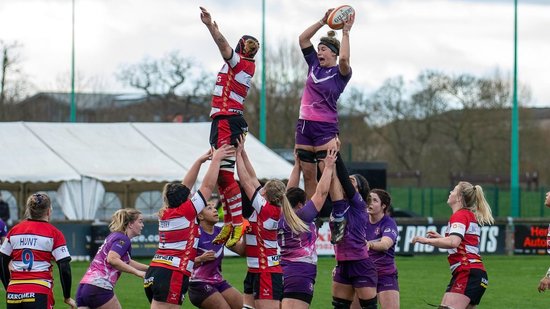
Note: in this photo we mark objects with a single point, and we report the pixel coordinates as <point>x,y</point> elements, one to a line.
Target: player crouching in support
<point>167,278</point>
<point>26,255</point>
<point>228,123</point>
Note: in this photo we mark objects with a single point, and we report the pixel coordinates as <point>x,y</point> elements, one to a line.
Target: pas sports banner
<point>492,239</point>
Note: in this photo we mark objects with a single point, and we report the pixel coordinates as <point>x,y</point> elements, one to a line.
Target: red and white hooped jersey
<point>463,223</point>
<point>262,250</point>
<point>232,84</point>
<point>179,236</point>
<point>33,245</point>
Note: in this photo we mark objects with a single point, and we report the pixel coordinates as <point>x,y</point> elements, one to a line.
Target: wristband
<point>548,273</point>
<point>321,22</point>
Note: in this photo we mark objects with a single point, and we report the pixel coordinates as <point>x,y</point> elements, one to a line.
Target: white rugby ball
<point>339,15</point>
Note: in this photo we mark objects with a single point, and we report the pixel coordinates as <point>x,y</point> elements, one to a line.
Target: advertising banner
<point>531,239</point>
<point>84,239</point>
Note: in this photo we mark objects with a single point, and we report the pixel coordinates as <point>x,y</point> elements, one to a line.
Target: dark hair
<point>362,187</point>
<point>385,198</point>
<point>295,196</point>
<point>175,194</point>
<point>37,206</point>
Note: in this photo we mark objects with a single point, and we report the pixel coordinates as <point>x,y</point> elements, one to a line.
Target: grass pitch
<point>513,282</point>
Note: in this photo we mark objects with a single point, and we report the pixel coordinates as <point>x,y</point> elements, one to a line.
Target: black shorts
<point>226,130</point>
<point>264,285</point>
<point>28,300</point>
<point>165,285</point>
<point>469,282</point>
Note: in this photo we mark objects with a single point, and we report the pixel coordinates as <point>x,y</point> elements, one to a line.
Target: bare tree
<point>12,88</point>
<point>169,80</point>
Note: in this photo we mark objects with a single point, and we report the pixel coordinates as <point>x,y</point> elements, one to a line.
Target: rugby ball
<point>339,15</point>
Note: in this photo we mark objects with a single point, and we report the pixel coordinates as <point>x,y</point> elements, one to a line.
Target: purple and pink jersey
<point>299,247</point>
<point>211,271</point>
<point>101,273</point>
<point>353,246</point>
<point>384,261</point>
<point>322,90</point>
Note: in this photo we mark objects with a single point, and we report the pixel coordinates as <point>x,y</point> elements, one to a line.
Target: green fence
<point>432,202</point>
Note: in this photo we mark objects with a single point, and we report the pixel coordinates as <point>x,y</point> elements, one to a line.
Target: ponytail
<point>474,200</point>
<point>296,224</point>
<point>483,213</point>
<point>275,194</point>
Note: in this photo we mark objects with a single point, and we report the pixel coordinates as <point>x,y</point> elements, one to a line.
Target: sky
<point>390,38</point>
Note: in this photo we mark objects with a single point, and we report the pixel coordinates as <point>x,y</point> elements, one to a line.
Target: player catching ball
<point>228,124</point>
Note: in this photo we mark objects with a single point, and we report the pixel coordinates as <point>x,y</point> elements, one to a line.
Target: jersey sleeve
<point>458,224</point>
<point>60,250</point>
<point>198,201</point>
<point>310,56</point>
<point>308,213</point>
<point>389,229</point>
<point>6,247</point>
<point>121,245</point>
<point>258,201</point>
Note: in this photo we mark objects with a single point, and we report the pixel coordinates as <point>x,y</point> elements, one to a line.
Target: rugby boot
<point>235,236</point>
<point>337,227</point>
<point>224,234</point>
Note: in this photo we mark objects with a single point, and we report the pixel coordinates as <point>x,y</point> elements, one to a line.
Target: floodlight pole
<point>514,163</point>
<point>73,103</point>
<point>262,94</point>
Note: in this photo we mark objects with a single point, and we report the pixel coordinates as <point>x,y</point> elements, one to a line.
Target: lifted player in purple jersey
<point>329,72</point>
<point>298,252</point>
<point>382,236</point>
<point>96,289</point>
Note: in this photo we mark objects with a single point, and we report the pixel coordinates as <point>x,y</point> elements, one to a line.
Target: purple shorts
<point>92,296</point>
<point>315,133</point>
<point>358,274</point>
<point>387,282</point>
<point>298,277</point>
<point>199,291</point>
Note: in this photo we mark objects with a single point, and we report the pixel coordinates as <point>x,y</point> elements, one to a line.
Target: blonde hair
<point>474,200</point>
<point>122,217</point>
<point>275,194</point>
<point>37,206</point>
<point>331,42</point>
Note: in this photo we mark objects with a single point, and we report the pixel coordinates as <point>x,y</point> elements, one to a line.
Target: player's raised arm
<point>219,39</point>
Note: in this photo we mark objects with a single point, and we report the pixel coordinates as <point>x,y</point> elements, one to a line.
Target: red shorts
<point>264,285</point>
<point>226,130</point>
<point>165,285</point>
<point>469,282</point>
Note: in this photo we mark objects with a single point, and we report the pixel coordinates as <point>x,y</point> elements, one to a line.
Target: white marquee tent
<point>83,155</point>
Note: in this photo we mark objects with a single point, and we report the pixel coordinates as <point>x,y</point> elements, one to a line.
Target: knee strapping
<point>306,155</point>
<point>369,303</point>
<point>321,154</point>
<point>340,303</point>
<point>228,163</point>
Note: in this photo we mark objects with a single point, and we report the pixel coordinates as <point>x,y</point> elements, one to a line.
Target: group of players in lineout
<point>278,239</point>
